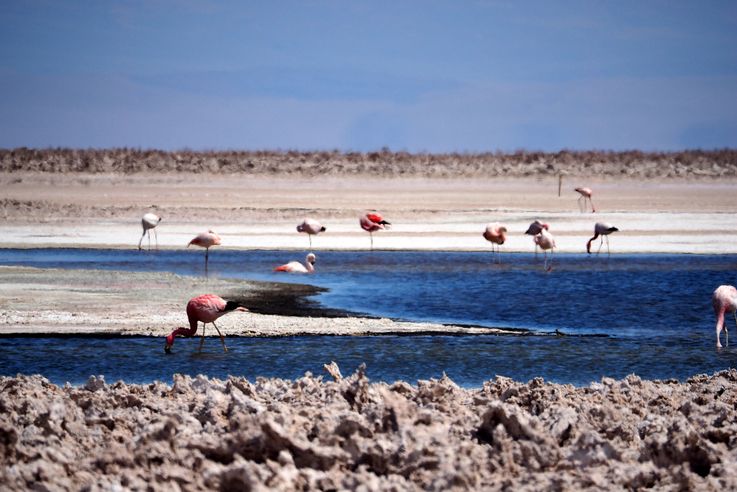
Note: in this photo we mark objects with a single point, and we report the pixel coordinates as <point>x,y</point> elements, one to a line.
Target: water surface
<point>653,311</point>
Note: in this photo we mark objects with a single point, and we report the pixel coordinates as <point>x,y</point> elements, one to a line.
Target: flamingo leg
<point>207,254</point>
<point>148,233</point>
<point>310,237</point>
<point>601,243</point>
<point>607,245</point>
<point>222,338</point>
<point>202,340</point>
<point>371,235</point>
<point>140,241</point>
<point>156,236</point>
<point>593,210</point>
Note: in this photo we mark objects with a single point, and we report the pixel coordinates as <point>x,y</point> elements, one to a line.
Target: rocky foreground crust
<point>311,433</point>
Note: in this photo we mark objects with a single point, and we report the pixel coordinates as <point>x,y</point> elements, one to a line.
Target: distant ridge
<point>627,164</point>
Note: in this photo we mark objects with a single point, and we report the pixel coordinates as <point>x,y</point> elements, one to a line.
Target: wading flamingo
<point>206,309</point>
<point>149,221</point>
<point>297,267</point>
<point>205,240</point>
<point>311,227</point>
<point>372,221</point>
<point>724,301</point>
<point>495,233</point>
<point>546,241</point>
<point>601,229</point>
<point>585,196</point>
<point>534,230</point>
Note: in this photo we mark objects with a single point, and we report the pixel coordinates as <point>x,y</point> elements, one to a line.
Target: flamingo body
<point>206,240</point>
<point>372,222</point>
<point>601,229</point>
<point>148,222</point>
<point>724,301</point>
<point>311,227</point>
<point>297,267</point>
<point>496,234</point>
<point>205,309</point>
<point>546,241</point>
<point>586,194</point>
<point>535,229</point>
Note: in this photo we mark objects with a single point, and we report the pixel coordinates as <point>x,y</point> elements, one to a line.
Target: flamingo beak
<point>242,309</point>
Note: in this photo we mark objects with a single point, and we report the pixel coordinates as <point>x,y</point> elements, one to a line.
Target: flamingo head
<point>323,229</point>
<point>311,258</point>
<point>545,226</point>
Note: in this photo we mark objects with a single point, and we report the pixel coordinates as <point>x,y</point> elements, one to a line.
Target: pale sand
<point>257,212</point>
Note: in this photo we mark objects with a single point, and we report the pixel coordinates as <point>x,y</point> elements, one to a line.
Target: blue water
<point>653,310</point>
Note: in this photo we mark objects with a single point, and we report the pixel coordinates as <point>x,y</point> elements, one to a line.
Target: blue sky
<point>421,76</point>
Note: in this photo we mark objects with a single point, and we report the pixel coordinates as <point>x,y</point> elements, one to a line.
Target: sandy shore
<point>259,212</point>
<point>89,302</point>
<point>351,434</point>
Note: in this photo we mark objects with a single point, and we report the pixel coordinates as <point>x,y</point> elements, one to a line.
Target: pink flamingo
<point>311,227</point>
<point>149,221</point>
<point>546,241</point>
<point>585,196</point>
<point>535,229</point>
<point>601,229</point>
<point>205,308</point>
<point>205,240</point>
<point>297,267</point>
<point>496,234</point>
<point>372,221</point>
<point>724,301</point>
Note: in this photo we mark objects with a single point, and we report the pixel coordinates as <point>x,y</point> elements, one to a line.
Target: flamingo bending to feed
<point>297,267</point>
<point>585,196</point>
<point>371,222</point>
<point>546,241</point>
<point>601,229</point>
<point>724,301</point>
<point>311,227</point>
<point>149,221</point>
<point>206,240</point>
<point>535,229</point>
<point>206,309</point>
<point>495,233</point>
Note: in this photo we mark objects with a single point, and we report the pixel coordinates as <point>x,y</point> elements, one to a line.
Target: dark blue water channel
<point>652,315</point>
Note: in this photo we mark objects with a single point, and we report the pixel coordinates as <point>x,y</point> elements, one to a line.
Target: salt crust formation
<point>348,433</point>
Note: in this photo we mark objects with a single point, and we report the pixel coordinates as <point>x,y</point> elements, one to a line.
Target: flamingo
<point>205,240</point>
<point>297,267</point>
<point>585,196</point>
<point>724,301</point>
<point>535,229</point>
<point>496,234</point>
<point>205,308</point>
<point>546,241</point>
<point>372,221</point>
<point>149,221</point>
<point>601,229</point>
<point>311,227</point>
